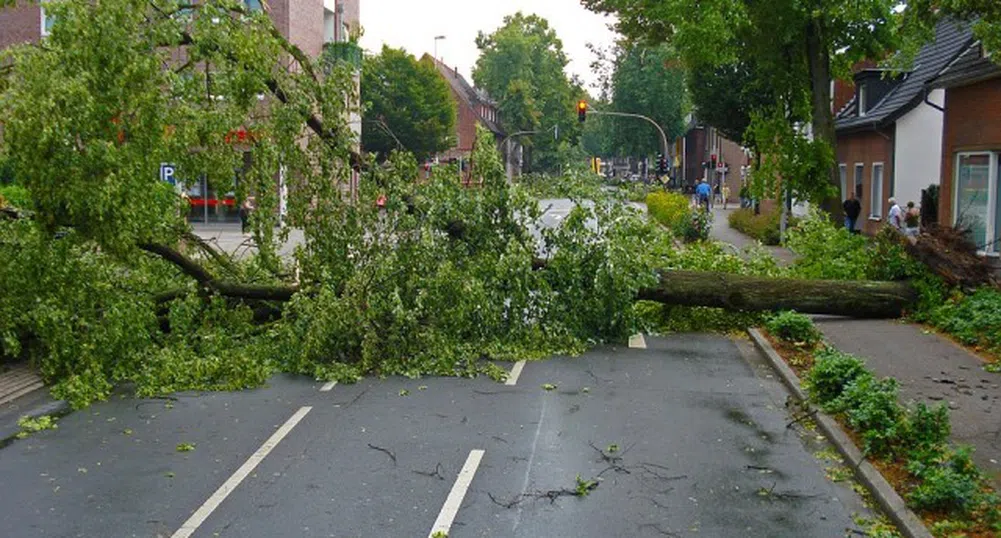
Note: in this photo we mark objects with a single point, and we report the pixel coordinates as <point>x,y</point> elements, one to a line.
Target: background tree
<point>647,81</point>
<point>522,65</point>
<point>407,103</point>
<point>795,46</point>
<point>920,16</point>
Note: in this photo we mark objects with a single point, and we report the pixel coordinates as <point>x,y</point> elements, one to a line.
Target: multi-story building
<point>315,26</point>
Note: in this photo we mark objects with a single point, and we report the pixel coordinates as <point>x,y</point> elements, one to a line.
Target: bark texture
<point>867,300</point>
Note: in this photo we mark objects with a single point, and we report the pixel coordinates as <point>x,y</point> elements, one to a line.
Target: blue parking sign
<point>167,173</point>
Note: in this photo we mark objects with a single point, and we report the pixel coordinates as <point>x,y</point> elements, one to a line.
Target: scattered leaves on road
<point>548,386</point>
<point>185,447</point>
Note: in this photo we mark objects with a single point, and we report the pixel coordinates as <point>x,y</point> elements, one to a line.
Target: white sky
<point>413,25</point>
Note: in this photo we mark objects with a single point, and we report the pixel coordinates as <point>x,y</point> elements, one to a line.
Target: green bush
<point>668,208</point>
<point>828,251</point>
<point>974,320</point>
<point>872,409</point>
<point>928,430</point>
<point>763,227</point>
<point>951,484</point>
<point>831,374</point>
<point>794,328</point>
<point>14,196</point>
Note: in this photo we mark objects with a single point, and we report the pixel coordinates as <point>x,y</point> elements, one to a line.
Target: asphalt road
<point>701,448</point>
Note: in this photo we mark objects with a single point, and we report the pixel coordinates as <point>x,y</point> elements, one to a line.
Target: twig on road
<point>385,451</point>
<point>433,474</point>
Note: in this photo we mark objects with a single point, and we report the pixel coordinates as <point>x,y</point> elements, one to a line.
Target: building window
<point>861,100</point>
<point>876,192</point>
<point>843,175</point>
<point>253,5</point>
<point>977,202</point>
<point>859,171</point>
<point>46,22</point>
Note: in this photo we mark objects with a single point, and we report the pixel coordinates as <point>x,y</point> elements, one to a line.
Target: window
<point>977,203</point>
<point>859,171</point>
<point>876,192</point>
<point>861,100</point>
<point>843,175</point>
<point>253,5</point>
<point>46,22</point>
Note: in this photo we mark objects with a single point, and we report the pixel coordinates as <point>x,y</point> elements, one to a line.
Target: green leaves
<point>408,104</point>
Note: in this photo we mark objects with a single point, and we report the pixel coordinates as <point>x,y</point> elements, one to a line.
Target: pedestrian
<point>745,196</point>
<point>912,220</point>
<point>852,209</point>
<point>246,208</point>
<point>704,194</point>
<point>896,216</point>
<point>716,194</point>
<point>726,195</point>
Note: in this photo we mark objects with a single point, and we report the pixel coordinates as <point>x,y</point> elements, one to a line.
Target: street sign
<point>167,173</point>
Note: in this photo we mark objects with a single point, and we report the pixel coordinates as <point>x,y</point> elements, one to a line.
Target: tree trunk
<point>868,300</point>
<point>819,60</point>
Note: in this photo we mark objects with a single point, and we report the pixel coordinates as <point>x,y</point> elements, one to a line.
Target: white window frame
<point>992,198</point>
<point>861,101</point>
<point>843,175</point>
<point>43,31</point>
<point>876,201</point>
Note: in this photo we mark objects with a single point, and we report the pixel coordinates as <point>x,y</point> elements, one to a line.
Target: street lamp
<point>436,40</point>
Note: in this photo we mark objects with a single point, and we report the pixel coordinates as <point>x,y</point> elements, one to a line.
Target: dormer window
<point>861,100</point>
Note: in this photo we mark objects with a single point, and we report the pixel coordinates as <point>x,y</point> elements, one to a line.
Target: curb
<point>888,499</point>
<point>54,408</point>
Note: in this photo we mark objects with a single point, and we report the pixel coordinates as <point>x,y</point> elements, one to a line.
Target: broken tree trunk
<point>870,300</point>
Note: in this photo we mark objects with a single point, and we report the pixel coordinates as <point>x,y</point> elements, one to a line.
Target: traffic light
<point>714,161</point>
<point>582,111</point>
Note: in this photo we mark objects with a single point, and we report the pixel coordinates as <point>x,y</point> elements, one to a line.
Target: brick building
<point>702,145</point>
<point>311,25</point>
<point>970,194</point>
<point>889,132</point>
<point>475,107</point>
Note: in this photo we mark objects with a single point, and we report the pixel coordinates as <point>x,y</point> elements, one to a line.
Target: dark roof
<point>472,97</point>
<point>972,66</point>
<point>951,39</point>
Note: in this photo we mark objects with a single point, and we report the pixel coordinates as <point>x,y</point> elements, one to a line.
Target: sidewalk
<point>22,393</point>
<point>228,238</point>
<point>930,368</point>
<point>724,233</point>
<point>933,370</point>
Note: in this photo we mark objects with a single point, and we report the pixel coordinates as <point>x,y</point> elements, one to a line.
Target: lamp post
<point>436,40</point>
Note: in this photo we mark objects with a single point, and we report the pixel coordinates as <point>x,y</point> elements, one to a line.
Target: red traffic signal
<point>582,111</point>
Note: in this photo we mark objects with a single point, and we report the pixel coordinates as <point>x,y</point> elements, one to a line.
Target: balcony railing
<point>344,51</point>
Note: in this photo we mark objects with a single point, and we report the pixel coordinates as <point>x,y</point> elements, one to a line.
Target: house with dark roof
<point>890,132</point>
<point>970,194</point>
<point>474,107</point>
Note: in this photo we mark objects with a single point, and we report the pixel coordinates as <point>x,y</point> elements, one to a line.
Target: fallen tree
<point>750,293</point>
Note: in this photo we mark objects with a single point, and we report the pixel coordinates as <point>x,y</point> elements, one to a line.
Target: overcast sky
<point>413,25</point>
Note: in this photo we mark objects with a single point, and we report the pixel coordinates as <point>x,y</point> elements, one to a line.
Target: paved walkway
<point>933,370</point>
<point>724,233</point>
<point>930,368</point>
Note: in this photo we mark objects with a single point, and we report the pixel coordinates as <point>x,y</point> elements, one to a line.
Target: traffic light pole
<point>663,137</point>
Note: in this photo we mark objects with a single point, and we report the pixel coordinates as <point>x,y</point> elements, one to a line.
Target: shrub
<point>871,408</point>
<point>794,328</point>
<point>763,227</point>
<point>14,196</point>
<point>697,227</point>
<point>974,320</point>
<point>825,251</point>
<point>669,208</point>
<point>833,371</point>
<point>928,430</point>
<point>951,484</point>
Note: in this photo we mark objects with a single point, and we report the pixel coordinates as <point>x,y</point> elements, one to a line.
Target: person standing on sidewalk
<point>896,217</point>
<point>852,209</point>
<point>726,195</point>
<point>704,194</point>
<point>246,208</point>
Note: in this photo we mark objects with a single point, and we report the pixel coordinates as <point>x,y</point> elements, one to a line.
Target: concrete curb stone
<point>889,500</point>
